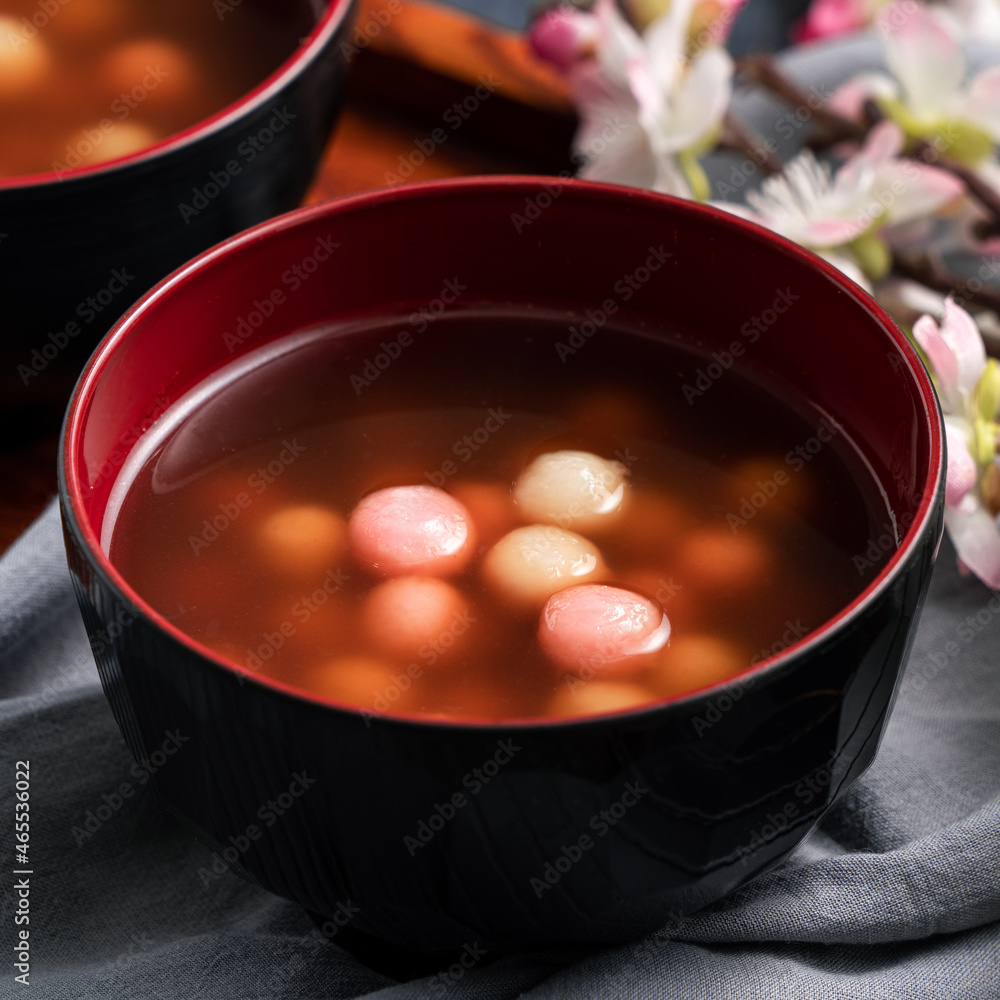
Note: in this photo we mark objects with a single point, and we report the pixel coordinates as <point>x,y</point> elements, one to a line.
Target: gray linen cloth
<point>895,895</point>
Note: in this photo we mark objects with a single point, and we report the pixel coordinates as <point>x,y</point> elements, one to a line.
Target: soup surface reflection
<point>468,518</point>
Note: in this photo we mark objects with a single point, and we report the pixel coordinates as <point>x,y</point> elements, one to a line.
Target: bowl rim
<point>71,492</point>
<point>327,23</point>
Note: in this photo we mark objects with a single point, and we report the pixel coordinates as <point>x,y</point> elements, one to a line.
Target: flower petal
<point>981,104</point>
<point>831,232</point>
<point>830,18</point>
<point>943,361</point>
<point>849,99</point>
<point>670,178</point>
<point>906,300</point>
<point>700,101</point>
<point>960,333</point>
<point>737,208</point>
<point>848,267</point>
<point>853,182</point>
<point>610,142</point>
<point>922,55</point>
<point>618,42</point>
<point>883,142</point>
<point>562,36</point>
<point>665,40</point>
<point>976,540</point>
<point>911,190</point>
<point>962,472</point>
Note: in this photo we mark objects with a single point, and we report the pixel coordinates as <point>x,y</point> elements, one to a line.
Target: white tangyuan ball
<point>574,489</point>
<point>529,564</point>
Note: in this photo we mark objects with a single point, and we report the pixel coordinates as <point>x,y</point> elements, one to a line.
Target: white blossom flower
<point>927,94</point>
<point>839,215</point>
<point>669,104</point>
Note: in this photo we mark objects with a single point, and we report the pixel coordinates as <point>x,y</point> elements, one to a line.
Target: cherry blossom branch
<point>925,152</point>
<point>985,194</point>
<point>762,70</point>
<point>741,139</point>
<point>924,271</point>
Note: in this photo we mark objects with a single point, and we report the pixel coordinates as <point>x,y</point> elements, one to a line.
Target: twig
<point>762,70</point>
<point>926,273</point>
<point>986,195</point>
<point>738,137</point>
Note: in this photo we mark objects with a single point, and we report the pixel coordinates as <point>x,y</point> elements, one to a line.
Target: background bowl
<point>121,226</point>
<point>725,780</point>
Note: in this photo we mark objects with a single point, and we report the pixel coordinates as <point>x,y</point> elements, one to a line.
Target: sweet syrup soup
<point>461,524</point>
<point>84,81</point>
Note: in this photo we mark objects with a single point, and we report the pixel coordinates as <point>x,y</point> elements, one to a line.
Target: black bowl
<point>592,830</point>
<point>80,246</point>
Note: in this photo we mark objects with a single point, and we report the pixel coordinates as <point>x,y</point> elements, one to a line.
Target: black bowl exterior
<point>76,253</point>
<point>433,835</point>
<point>592,831</point>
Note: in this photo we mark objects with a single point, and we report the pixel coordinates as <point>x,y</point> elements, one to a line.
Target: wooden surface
<point>412,63</point>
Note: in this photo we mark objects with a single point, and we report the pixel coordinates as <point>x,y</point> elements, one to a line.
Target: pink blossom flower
<point>646,107</point>
<point>962,472</point>
<point>831,18</point>
<point>957,355</point>
<point>563,36</point>
<point>969,390</point>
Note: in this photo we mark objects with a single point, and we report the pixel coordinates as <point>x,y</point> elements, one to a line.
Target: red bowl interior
<point>518,239</point>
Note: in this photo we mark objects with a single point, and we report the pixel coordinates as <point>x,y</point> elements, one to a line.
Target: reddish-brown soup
<point>85,81</point>
<point>743,520</point>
